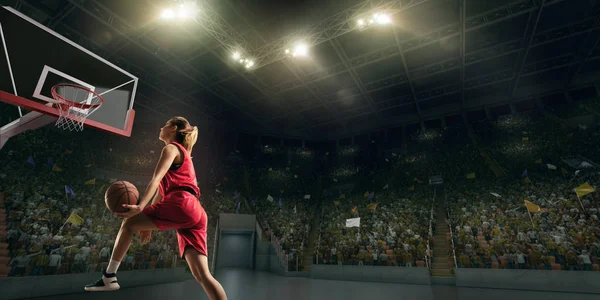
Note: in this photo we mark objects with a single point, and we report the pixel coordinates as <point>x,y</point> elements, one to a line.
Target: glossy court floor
<point>250,285</point>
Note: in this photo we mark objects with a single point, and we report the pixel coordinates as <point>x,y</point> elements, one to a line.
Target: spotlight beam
<point>462,6</point>
<point>355,77</point>
<point>311,89</point>
<point>407,73</point>
<point>89,6</point>
<point>232,41</point>
<point>530,29</point>
<point>441,33</point>
<point>332,27</point>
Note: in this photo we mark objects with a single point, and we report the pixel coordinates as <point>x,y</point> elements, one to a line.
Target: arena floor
<point>249,285</point>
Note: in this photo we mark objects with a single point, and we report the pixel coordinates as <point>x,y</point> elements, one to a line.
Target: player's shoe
<point>108,282</point>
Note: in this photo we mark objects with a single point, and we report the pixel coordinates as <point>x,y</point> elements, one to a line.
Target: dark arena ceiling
<point>436,58</point>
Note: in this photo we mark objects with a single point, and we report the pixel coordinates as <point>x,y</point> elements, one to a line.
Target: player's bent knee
<point>124,224</point>
<point>128,224</point>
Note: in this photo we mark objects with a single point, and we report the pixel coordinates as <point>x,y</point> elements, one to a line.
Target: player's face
<point>164,131</point>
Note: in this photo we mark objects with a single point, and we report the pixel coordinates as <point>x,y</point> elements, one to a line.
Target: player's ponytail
<point>186,134</point>
<point>189,138</point>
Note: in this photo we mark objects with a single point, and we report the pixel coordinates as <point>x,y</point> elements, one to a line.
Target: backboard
<point>33,59</point>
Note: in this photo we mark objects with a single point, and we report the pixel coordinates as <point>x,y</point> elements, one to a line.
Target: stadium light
<point>167,14</point>
<point>377,19</point>
<point>300,50</point>
<point>382,19</point>
<point>183,11</point>
<point>244,61</point>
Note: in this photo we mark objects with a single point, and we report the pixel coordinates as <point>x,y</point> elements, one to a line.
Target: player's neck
<point>168,141</point>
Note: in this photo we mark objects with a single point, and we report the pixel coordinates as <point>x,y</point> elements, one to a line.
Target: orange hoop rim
<point>62,100</point>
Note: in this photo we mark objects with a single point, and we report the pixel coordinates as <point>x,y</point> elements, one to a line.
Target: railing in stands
<point>278,248</point>
<point>428,253</point>
<point>451,233</point>
<point>284,257</point>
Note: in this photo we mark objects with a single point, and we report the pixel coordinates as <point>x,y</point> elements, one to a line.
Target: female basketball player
<point>179,209</point>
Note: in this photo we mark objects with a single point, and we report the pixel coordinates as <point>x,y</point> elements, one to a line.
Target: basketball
<point>119,193</point>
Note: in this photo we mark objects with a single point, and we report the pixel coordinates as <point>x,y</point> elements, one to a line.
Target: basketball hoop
<point>74,103</point>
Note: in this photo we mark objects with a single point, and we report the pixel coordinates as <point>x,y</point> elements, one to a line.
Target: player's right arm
<point>157,197</point>
<point>168,155</point>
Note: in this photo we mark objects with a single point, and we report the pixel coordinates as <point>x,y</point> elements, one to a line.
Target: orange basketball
<point>119,193</point>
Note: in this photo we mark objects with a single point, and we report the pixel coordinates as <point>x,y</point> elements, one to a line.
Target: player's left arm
<point>168,155</point>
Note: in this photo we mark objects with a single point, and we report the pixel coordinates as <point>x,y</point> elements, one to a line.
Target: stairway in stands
<point>4,254</point>
<point>443,261</point>
<point>313,237</point>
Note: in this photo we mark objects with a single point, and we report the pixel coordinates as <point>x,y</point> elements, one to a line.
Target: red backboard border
<point>52,111</point>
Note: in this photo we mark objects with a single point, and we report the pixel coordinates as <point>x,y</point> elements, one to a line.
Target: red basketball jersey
<point>182,177</point>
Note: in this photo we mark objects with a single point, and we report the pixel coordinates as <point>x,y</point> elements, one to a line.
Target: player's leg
<point>199,266</point>
<point>108,282</point>
<point>136,223</point>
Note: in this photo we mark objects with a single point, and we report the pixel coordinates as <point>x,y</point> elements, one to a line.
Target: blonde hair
<point>186,134</point>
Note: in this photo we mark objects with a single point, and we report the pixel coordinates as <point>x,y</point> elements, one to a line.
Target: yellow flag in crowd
<point>74,218</point>
<point>343,196</point>
<point>355,210</point>
<point>471,176</point>
<point>372,206</point>
<point>584,189</point>
<point>56,169</point>
<point>525,139</point>
<point>532,208</point>
<point>336,203</point>
<point>91,181</point>
<point>526,180</point>
<point>366,194</point>
<point>411,188</point>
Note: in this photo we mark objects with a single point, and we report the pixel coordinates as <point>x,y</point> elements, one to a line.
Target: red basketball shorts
<point>182,211</point>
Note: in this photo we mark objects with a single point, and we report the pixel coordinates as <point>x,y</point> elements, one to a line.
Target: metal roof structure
<point>438,58</point>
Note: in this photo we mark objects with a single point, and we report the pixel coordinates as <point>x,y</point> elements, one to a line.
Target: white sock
<point>113,265</point>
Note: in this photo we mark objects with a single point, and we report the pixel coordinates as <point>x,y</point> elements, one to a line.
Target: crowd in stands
<point>517,140</point>
<point>499,231</point>
<point>394,232</point>
<point>287,187</point>
<point>285,190</point>
<point>490,230</point>
<point>58,224</point>
<point>112,152</point>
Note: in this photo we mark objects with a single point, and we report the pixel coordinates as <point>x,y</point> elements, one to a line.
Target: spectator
<point>584,258</point>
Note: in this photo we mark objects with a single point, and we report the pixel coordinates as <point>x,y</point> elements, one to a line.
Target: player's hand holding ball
<point>133,210</point>
<point>122,198</point>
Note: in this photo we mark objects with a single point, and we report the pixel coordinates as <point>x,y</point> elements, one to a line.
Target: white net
<point>74,105</point>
